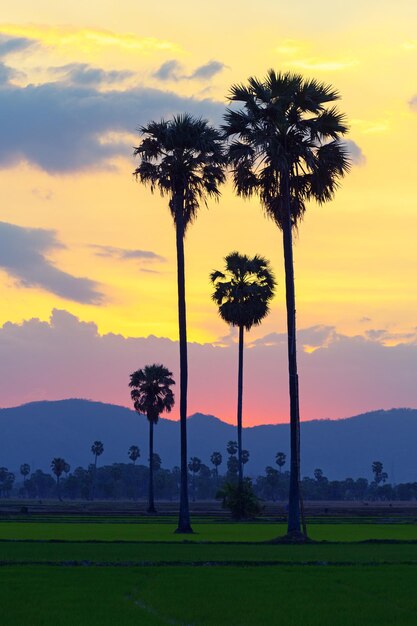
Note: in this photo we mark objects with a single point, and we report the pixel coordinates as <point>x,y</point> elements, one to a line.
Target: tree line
<point>130,481</point>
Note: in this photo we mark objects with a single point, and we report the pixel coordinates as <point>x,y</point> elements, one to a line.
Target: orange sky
<point>76,81</point>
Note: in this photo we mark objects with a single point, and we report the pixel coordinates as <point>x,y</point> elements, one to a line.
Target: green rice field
<point>107,571</point>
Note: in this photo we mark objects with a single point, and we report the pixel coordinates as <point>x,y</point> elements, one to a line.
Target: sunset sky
<point>87,255</point>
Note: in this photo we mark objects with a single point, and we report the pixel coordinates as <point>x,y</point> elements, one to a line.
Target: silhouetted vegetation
<point>286,147</point>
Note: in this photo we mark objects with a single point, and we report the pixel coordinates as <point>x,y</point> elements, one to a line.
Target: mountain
<point>35,433</point>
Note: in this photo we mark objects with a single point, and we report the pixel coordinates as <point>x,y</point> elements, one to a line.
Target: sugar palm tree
<point>152,395</point>
<point>286,146</point>
<point>216,458</point>
<point>194,466</point>
<point>133,454</point>
<point>97,449</point>
<point>183,158</point>
<point>58,466</point>
<point>25,471</point>
<point>242,291</point>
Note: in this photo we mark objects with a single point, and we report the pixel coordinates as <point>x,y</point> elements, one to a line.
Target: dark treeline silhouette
<point>130,481</point>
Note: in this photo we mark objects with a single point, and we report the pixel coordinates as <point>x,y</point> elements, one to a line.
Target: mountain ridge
<point>35,432</point>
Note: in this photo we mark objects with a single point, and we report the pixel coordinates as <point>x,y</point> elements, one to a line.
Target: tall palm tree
<point>97,449</point>
<point>184,159</point>
<point>287,147</point>
<point>242,293</point>
<point>152,395</point>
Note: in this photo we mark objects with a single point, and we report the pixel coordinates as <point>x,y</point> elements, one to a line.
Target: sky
<point>87,255</point>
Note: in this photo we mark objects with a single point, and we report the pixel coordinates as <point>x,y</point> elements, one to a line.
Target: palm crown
<point>151,391</point>
<point>184,159</point>
<point>287,140</point>
<point>243,291</point>
<point>97,448</point>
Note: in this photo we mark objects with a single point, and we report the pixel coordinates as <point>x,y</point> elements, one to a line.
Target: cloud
<point>60,128</point>
<point>6,73</point>
<point>342,377</point>
<point>22,256</point>
<point>172,70</point>
<point>85,74</point>
<point>9,45</point>
<point>413,103</point>
<point>168,71</point>
<point>126,254</point>
<point>355,152</point>
<point>208,70</point>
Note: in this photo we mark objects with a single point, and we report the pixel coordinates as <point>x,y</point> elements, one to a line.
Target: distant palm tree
<point>25,471</point>
<point>58,466</point>
<point>231,447</point>
<point>97,449</point>
<point>134,454</point>
<point>216,458</point>
<point>242,293</point>
<point>245,457</point>
<point>152,395</point>
<point>183,158</point>
<point>287,148</point>
<point>280,459</point>
<point>194,466</point>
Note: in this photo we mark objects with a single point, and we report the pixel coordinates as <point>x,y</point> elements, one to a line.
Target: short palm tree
<point>286,146</point>
<point>216,458</point>
<point>183,158</point>
<point>58,466</point>
<point>194,466</point>
<point>242,293</point>
<point>133,454</point>
<point>152,395</point>
<point>97,449</point>
<point>25,471</point>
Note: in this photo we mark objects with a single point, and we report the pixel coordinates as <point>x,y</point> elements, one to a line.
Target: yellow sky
<point>355,258</point>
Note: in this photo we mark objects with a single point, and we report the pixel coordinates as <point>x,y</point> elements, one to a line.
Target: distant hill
<point>34,433</point>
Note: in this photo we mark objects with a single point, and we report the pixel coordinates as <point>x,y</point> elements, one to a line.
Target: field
<point>119,570</point>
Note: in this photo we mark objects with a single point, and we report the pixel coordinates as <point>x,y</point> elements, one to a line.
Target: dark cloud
<point>168,71</point>
<point>208,70</point>
<point>84,74</point>
<point>365,319</point>
<point>125,254</point>
<point>6,73</point>
<point>355,152</point>
<point>8,44</point>
<point>59,127</point>
<point>22,256</point>
<point>171,70</point>
<point>413,103</point>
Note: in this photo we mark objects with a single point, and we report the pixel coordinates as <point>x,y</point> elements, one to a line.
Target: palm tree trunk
<point>184,525</point>
<point>58,488</point>
<point>294,526</point>
<point>151,503</point>
<point>239,405</point>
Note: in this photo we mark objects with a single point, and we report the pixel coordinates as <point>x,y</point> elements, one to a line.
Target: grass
<point>66,572</point>
<point>249,532</point>
<point>107,552</point>
<point>215,596</point>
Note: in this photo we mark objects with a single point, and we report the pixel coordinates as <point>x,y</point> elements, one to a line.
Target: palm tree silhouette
<point>58,466</point>
<point>287,148</point>
<point>183,158</point>
<point>194,466</point>
<point>97,449</point>
<point>152,395</point>
<point>25,471</point>
<point>133,454</point>
<point>242,293</point>
<point>216,458</point>
<point>280,459</point>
